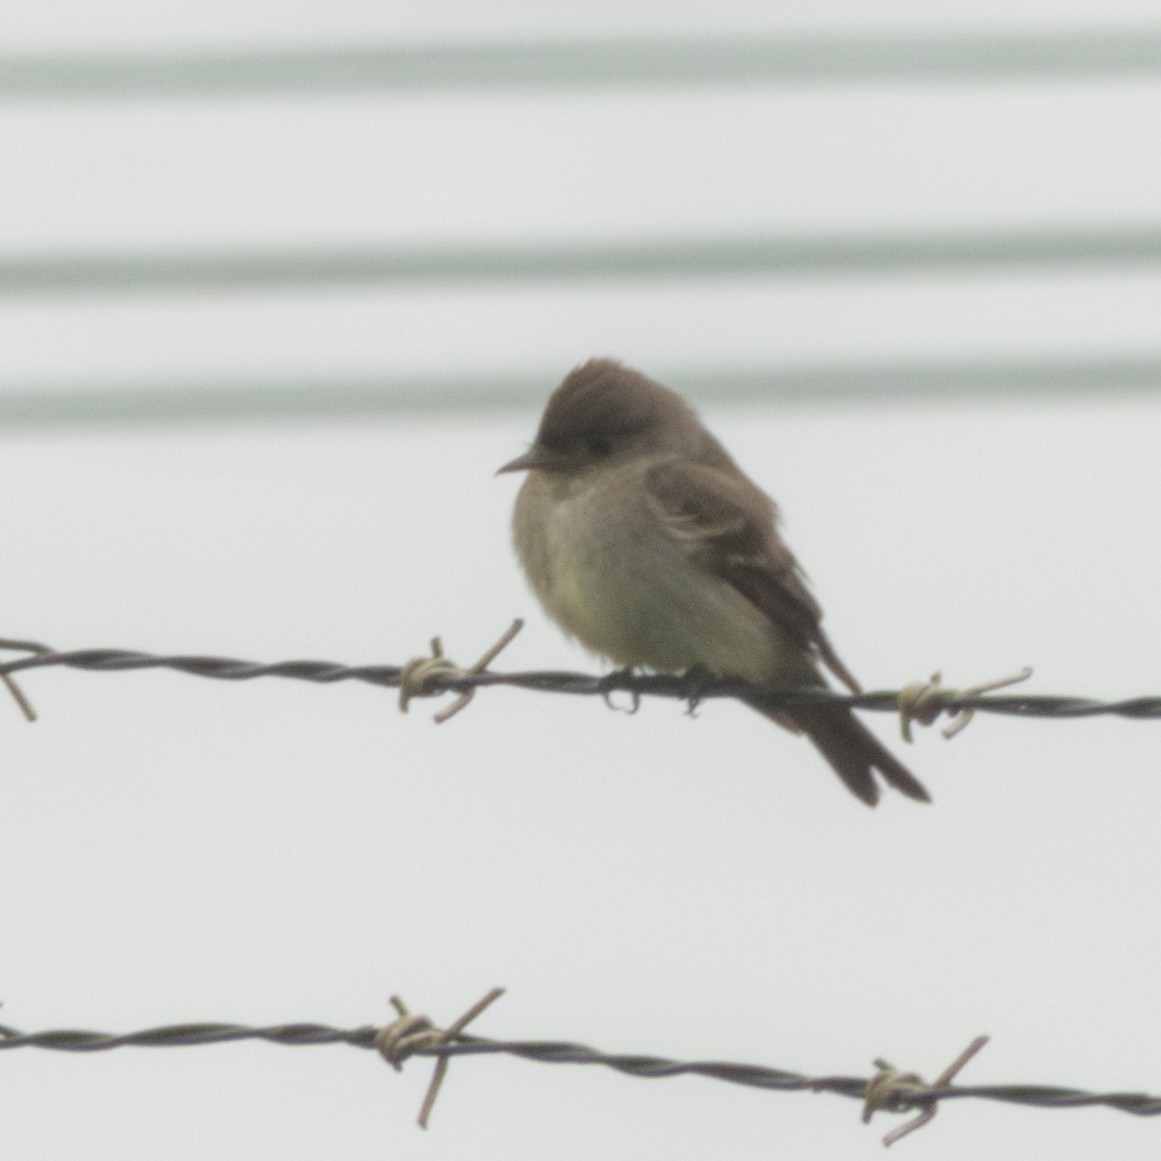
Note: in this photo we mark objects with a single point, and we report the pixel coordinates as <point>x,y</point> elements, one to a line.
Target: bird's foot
<point>694,680</point>
<point>614,682</point>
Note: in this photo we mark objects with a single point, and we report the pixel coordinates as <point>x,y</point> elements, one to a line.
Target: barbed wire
<point>427,677</point>
<point>886,1090</point>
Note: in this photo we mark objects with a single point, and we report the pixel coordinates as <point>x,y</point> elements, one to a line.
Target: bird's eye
<point>599,445</point>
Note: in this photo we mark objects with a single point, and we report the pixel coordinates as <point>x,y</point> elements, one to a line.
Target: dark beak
<point>536,457</point>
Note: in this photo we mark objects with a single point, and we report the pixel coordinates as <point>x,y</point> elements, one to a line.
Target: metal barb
<point>890,1090</point>
<point>410,1034</point>
<point>924,701</point>
<point>427,676</point>
<point>479,668</point>
<point>416,675</point>
<point>399,1039</point>
<point>18,695</point>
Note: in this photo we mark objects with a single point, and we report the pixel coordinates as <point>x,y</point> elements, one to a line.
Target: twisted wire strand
<point>565,1052</point>
<point>559,681</point>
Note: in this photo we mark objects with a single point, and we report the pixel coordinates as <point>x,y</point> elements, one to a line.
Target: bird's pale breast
<point>612,574</point>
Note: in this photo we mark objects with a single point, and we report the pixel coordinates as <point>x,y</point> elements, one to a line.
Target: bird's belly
<point>636,598</point>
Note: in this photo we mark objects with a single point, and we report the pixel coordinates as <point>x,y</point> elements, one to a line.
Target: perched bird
<point>647,543</point>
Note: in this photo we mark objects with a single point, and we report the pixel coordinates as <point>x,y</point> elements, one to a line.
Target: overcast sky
<point>181,850</point>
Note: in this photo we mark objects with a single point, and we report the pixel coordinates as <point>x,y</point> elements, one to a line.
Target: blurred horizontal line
<point>586,63</point>
<point>174,401</point>
<point>119,272</point>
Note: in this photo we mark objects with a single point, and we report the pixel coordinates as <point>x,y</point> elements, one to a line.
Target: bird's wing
<point>728,525</point>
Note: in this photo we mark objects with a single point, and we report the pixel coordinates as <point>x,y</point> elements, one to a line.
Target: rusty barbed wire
<point>448,678</point>
<point>887,1089</point>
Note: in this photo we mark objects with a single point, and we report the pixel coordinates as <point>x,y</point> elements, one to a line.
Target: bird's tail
<point>851,749</point>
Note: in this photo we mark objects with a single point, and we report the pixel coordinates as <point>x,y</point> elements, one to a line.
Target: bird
<point>644,541</point>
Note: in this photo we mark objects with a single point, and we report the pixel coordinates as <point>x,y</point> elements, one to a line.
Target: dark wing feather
<point>729,525</point>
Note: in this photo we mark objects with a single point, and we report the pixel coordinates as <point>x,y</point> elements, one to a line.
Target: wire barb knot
<point>893,1091</point>
<point>417,678</point>
<point>890,1091</point>
<point>411,1034</point>
<point>404,1037</point>
<point>427,676</point>
<point>924,701</point>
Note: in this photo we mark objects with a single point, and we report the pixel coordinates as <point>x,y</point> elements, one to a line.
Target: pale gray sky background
<point>181,850</point>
